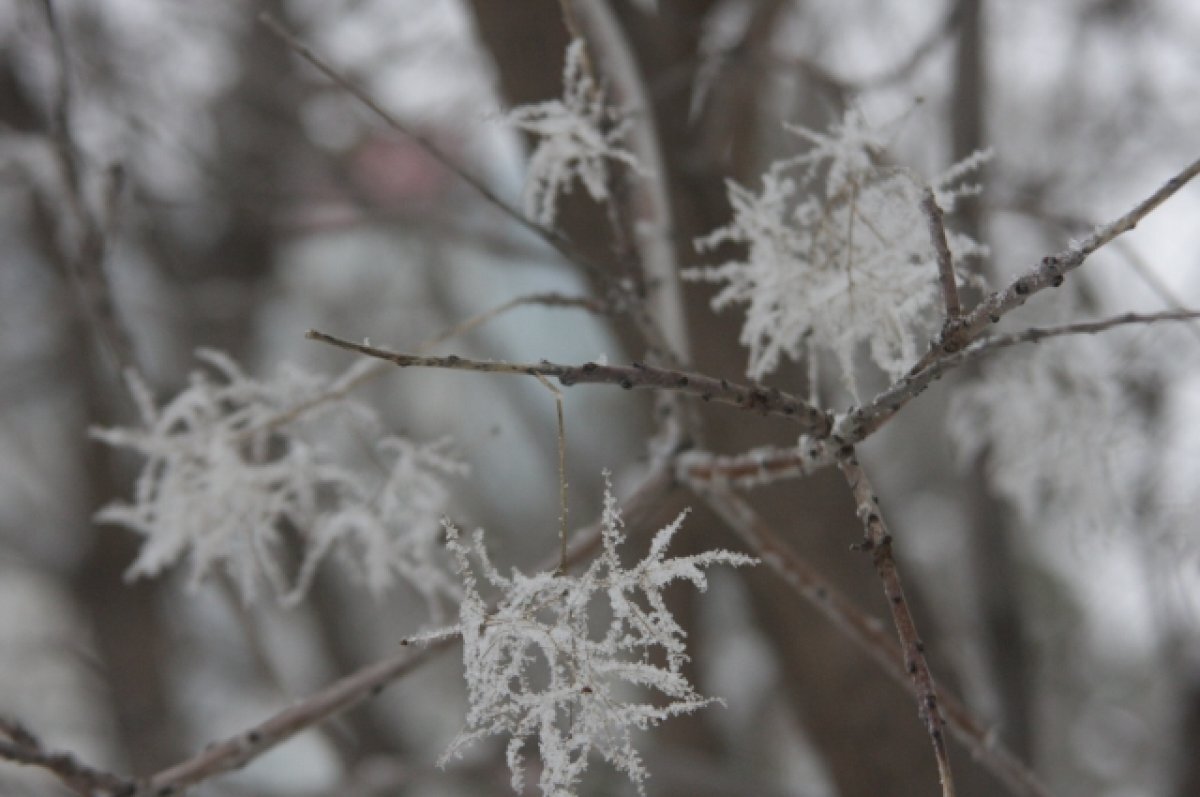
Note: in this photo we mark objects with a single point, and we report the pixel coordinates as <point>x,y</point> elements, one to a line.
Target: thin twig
<point>478,185</point>
<point>86,264</point>
<point>867,633</point>
<point>348,382</point>
<point>1052,269</point>
<point>945,261</point>
<point>1049,273</point>
<point>22,747</point>
<point>755,468</point>
<point>860,423</point>
<point>767,401</point>
<point>878,542</point>
<point>562,473</point>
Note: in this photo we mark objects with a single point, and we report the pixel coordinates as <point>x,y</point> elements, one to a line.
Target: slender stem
<point>20,746</point>
<point>866,633</point>
<point>1050,271</point>
<point>878,542</point>
<point>767,401</point>
<point>945,261</point>
<point>860,423</point>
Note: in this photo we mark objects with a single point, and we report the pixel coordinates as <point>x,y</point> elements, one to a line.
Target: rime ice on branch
<point>831,268</point>
<point>576,137</point>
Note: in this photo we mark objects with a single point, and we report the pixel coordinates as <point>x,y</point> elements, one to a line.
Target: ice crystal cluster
<point>837,253</point>
<point>562,659</point>
<point>576,138</point>
<point>232,474</point>
<point>1060,435</point>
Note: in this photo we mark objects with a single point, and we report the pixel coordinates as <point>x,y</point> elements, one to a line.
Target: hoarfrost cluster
<point>1063,441</point>
<point>832,267</point>
<point>541,667</point>
<point>231,474</point>
<point>576,138</point>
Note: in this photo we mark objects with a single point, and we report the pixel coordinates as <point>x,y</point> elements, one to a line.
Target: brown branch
<point>1049,273</point>
<point>878,542</point>
<point>767,401</point>
<point>755,468</point>
<point>867,633</point>
<point>860,423</point>
<point>945,261</point>
<point>1052,269</point>
<point>85,266</point>
<point>22,747</point>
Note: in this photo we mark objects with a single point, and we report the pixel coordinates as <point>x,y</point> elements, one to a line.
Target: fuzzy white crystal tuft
<point>561,660</point>
<point>576,138</point>
<point>831,267</point>
<point>230,476</point>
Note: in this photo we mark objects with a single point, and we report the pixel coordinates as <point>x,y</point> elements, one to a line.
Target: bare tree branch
<point>22,747</point>
<point>860,423</point>
<point>945,261</point>
<point>767,401</point>
<point>865,632</point>
<point>878,542</point>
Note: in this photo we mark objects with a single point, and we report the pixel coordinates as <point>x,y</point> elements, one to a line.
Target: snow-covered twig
<point>755,468</point>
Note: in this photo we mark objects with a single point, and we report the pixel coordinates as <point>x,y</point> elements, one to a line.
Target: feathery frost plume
<point>1062,438</point>
<point>230,476</point>
<point>577,136</point>
<point>831,267</point>
<point>542,666</point>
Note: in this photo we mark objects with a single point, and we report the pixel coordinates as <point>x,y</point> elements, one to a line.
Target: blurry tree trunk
<point>993,558</point>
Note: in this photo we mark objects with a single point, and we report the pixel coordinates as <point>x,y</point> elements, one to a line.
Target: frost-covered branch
<point>223,486</point>
<point>836,267</point>
<point>766,401</point>
<point>755,468</point>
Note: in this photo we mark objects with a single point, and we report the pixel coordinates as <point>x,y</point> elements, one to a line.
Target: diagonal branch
<point>945,261</point>
<point>767,401</point>
<point>1050,272</point>
<point>867,633</point>
<point>647,326</point>
<point>860,423</point>
<point>20,746</point>
<point>878,542</point>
